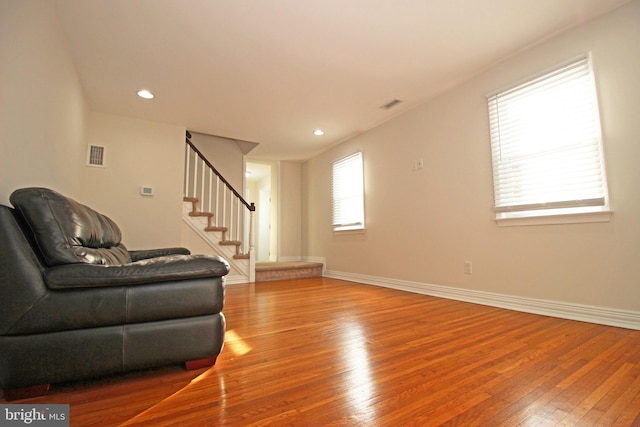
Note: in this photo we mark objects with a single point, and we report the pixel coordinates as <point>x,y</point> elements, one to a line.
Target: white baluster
<point>202,185</point>
<point>238,210</point>
<point>224,206</point>
<point>195,174</point>
<point>210,189</point>
<point>186,170</point>
<point>217,215</point>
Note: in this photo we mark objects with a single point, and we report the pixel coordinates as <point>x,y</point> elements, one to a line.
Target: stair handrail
<point>251,206</point>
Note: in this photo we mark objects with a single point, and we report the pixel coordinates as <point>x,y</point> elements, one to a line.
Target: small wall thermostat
<point>146,191</point>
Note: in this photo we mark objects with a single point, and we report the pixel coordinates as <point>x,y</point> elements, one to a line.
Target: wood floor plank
<point>629,391</point>
<point>316,352</point>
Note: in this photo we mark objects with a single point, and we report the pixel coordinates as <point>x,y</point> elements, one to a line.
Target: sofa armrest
<point>162,269</point>
<point>155,253</point>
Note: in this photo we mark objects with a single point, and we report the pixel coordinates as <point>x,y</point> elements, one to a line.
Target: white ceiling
<point>272,71</point>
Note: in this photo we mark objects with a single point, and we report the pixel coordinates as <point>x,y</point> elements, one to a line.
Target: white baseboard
<point>235,279</point>
<point>585,313</point>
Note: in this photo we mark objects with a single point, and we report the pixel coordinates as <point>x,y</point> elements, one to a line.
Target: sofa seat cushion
<point>161,269</point>
<point>68,232</point>
<point>86,308</point>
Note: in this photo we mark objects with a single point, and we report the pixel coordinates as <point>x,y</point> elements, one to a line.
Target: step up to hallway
<point>269,271</point>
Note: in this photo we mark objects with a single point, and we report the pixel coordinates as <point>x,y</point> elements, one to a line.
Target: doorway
<point>261,188</point>
<point>263,227</point>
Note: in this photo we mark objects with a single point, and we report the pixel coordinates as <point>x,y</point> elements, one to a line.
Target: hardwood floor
<point>316,352</point>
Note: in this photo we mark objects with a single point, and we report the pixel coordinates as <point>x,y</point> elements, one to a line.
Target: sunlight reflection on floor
<point>361,387</point>
<point>236,344</point>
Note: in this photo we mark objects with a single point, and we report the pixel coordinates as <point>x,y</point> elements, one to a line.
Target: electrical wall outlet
<point>468,267</point>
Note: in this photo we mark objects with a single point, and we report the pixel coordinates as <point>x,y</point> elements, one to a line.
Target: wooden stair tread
<point>210,227</point>
<point>205,214</point>
<point>215,228</point>
<point>270,271</point>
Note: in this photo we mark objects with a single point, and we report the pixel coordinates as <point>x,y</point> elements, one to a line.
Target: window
<point>546,145</point>
<point>347,193</point>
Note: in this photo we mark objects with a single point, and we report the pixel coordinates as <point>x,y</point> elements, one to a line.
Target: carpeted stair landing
<point>269,271</point>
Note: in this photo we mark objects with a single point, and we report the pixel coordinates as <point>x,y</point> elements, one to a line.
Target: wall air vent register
<point>95,156</point>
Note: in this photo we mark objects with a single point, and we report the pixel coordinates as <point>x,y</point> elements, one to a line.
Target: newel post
<point>252,256</point>
<point>252,211</point>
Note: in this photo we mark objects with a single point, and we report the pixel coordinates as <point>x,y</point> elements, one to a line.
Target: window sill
<point>349,231</point>
<point>574,218</point>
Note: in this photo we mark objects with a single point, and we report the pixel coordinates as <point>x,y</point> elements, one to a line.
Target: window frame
<point>547,211</point>
<point>358,222</point>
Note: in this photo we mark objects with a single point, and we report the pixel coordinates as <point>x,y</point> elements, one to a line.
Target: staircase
<point>218,214</point>
<point>210,227</point>
<point>221,217</point>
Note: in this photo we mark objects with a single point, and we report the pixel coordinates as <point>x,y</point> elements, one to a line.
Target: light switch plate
<point>146,191</point>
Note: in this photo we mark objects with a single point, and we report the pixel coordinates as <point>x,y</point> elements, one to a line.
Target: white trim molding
<point>564,310</point>
<point>235,279</point>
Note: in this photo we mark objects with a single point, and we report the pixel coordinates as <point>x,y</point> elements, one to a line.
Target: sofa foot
<point>200,363</point>
<point>27,392</point>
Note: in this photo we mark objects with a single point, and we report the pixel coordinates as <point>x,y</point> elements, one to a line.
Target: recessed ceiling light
<point>318,132</point>
<point>145,94</point>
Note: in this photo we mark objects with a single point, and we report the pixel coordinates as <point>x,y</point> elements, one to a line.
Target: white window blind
<point>347,193</point>
<point>546,144</point>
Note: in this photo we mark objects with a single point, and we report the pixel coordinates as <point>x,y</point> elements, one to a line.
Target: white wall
<point>263,220</point>
<point>137,153</point>
<point>422,225</point>
<point>225,155</point>
<point>290,222</point>
<point>45,129</point>
<point>42,107</point>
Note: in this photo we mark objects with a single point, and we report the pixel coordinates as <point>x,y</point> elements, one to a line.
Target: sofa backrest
<point>67,232</point>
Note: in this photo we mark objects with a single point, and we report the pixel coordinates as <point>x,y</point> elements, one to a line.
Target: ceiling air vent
<point>95,156</point>
<point>391,104</point>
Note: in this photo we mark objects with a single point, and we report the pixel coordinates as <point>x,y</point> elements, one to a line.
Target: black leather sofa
<point>76,304</point>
